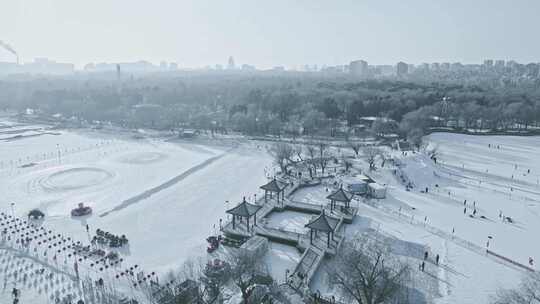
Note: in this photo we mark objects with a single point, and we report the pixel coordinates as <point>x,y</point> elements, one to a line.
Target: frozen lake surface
<point>166,197</point>
<point>289,220</point>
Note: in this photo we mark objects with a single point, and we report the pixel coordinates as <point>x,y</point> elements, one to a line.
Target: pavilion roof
<point>273,186</point>
<point>323,223</point>
<point>244,209</point>
<point>340,196</point>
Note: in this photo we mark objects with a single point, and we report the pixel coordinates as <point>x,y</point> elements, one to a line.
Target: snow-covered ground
<point>281,258</point>
<point>496,175</point>
<point>166,197</point>
<point>289,220</point>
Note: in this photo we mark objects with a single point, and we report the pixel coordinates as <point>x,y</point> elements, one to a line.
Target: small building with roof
<point>322,223</point>
<point>376,190</point>
<point>274,187</point>
<point>339,196</point>
<point>244,210</point>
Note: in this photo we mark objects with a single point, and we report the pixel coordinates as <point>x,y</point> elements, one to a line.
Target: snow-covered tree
<point>371,154</point>
<point>365,271</point>
<point>283,154</point>
<point>528,292</point>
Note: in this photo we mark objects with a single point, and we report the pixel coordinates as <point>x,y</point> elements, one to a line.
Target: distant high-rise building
<point>424,66</point>
<point>532,69</point>
<point>402,68</point>
<point>46,66</point>
<point>511,63</point>
<point>456,66</point>
<point>435,66</point>
<point>230,64</point>
<point>445,66</point>
<point>499,64</point>
<point>358,68</point>
<point>173,66</point>
<point>488,63</point>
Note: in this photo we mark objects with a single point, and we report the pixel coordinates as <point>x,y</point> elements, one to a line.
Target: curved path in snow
<point>146,194</point>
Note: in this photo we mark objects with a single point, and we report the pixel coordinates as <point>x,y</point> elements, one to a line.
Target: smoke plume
<point>8,47</point>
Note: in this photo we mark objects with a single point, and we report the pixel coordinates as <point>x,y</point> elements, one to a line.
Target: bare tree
<point>201,280</point>
<point>355,146</point>
<point>283,154</point>
<point>432,151</point>
<point>371,154</point>
<point>324,155</point>
<point>346,163</point>
<point>384,157</point>
<point>415,137</point>
<point>312,155</point>
<point>213,277</point>
<point>298,150</point>
<point>245,271</point>
<point>527,293</point>
<point>365,270</point>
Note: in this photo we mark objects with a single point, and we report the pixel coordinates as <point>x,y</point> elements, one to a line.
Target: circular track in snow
<point>142,158</point>
<point>75,178</point>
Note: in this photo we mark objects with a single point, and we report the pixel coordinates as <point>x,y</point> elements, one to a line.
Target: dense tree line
<point>293,104</point>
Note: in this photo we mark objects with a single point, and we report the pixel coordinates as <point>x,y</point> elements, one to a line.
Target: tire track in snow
<point>146,194</point>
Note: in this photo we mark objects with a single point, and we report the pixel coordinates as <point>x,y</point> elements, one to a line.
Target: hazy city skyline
<point>200,33</point>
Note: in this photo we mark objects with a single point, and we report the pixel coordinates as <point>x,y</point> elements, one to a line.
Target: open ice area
<point>165,196</point>
<point>289,220</point>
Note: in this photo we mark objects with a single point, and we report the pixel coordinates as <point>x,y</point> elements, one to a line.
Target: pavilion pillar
<point>248,223</point>
<point>233,221</point>
<point>255,219</point>
<point>311,236</point>
<point>265,196</point>
<point>328,239</point>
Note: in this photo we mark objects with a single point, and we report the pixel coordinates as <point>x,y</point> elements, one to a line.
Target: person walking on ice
<point>437,259</point>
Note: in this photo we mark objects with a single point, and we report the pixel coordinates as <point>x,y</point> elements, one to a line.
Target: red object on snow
<point>81,210</point>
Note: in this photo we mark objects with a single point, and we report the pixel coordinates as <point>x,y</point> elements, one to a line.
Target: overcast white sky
<point>275,32</point>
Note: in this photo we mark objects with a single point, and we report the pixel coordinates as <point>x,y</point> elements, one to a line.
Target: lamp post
<point>58,148</point>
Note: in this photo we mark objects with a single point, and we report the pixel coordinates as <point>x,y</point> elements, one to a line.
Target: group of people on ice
<point>422,266</point>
